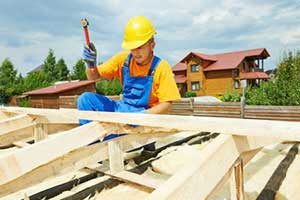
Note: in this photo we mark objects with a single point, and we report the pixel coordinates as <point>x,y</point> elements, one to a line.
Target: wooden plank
<point>75,160</point>
<point>27,132</point>
<point>246,156</point>
<point>40,132</point>
<point>275,181</point>
<point>7,138</point>
<point>16,122</point>
<point>213,162</point>
<point>237,181</point>
<point>265,128</point>
<point>18,163</point>
<point>116,160</point>
<point>131,177</point>
<point>21,144</point>
<point>4,115</point>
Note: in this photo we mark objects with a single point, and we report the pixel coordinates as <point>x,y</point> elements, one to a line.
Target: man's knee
<point>84,98</point>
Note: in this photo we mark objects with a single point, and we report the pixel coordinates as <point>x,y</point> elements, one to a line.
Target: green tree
<point>79,71</point>
<point>8,76</point>
<point>49,67</point>
<point>108,88</point>
<point>35,81</point>
<point>62,70</point>
<point>285,90</point>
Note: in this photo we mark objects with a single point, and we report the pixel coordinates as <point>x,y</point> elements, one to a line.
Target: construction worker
<point>148,82</point>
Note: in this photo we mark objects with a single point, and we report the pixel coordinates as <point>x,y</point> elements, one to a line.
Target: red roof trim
<point>180,79</point>
<point>253,75</point>
<point>179,67</point>
<point>229,60</point>
<point>59,88</point>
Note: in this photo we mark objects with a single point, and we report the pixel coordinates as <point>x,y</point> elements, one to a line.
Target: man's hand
<point>89,55</point>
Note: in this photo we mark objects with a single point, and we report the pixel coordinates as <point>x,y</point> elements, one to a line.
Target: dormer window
<point>194,68</point>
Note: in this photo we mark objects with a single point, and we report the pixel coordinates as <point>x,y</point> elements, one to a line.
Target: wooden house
<point>217,74</point>
<point>49,97</point>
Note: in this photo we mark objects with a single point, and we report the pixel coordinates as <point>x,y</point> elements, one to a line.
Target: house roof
<point>60,88</point>
<point>253,75</point>
<point>180,79</point>
<point>179,67</point>
<point>229,60</point>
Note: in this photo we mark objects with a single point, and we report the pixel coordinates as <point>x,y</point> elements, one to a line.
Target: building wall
<point>44,101</point>
<point>52,100</point>
<point>218,82</point>
<point>195,76</point>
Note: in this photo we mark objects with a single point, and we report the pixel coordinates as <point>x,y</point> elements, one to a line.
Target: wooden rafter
<point>212,167</point>
<point>208,170</point>
<point>230,126</point>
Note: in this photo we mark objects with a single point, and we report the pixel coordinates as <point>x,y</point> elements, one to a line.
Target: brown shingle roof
<point>60,88</point>
<point>179,67</point>
<point>224,61</point>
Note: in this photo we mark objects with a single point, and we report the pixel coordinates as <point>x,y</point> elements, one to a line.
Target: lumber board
<point>116,159</point>
<point>16,122</point>
<point>246,157</point>
<point>275,181</point>
<point>74,160</point>
<point>265,128</point>
<point>213,162</point>
<point>40,132</point>
<point>130,177</point>
<point>16,164</point>
<point>7,138</point>
<point>26,133</point>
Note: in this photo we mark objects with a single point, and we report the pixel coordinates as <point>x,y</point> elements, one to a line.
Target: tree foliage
<point>109,88</point>
<point>62,70</point>
<point>284,90</point>
<point>79,71</point>
<point>49,67</point>
<point>8,77</point>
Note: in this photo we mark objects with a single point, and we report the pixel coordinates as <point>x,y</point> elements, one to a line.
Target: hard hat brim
<point>129,45</point>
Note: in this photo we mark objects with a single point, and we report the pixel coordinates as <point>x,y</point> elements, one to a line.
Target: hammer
<point>85,24</point>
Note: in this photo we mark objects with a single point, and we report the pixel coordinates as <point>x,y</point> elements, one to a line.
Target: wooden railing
<point>216,109</point>
<point>234,109</point>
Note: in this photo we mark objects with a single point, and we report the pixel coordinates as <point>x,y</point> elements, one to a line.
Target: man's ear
<point>153,44</point>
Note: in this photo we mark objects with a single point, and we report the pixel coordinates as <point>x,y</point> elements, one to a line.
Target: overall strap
<point>154,64</point>
<point>127,61</point>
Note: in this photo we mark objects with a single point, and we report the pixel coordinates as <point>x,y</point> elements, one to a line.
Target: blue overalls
<point>136,94</point>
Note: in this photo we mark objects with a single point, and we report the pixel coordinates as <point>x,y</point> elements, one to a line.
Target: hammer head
<point>84,22</point>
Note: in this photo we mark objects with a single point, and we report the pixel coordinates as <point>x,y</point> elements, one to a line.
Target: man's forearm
<point>92,73</point>
<point>161,108</point>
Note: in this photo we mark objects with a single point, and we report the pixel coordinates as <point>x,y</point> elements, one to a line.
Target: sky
<point>29,28</point>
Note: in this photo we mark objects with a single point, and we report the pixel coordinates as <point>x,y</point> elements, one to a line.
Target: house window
<point>196,85</point>
<point>194,68</point>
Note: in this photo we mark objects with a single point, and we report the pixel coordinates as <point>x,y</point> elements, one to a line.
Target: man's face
<point>143,54</point>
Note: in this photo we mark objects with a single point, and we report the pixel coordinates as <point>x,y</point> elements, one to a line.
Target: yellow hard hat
<point>137,32</point>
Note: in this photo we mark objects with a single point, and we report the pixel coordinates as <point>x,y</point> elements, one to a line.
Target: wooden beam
<point>237,181</point>
<point>7,138</point>
<point>15,123</point>
<point>214,161</point>
<point>116,160</point>
<point>265,128</point>
<point>40,132</point>
<point>74,160</point>
<point>130,177</point>
<point>22,161</point>
<point>27,132</point>
<point>4,115</point>
<point>21,144</point>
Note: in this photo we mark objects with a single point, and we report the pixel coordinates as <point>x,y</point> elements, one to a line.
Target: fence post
<point>243,102</point>
<point>192,105</point>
